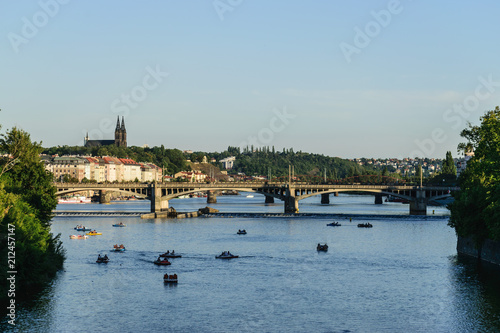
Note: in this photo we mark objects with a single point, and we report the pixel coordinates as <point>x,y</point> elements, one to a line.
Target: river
<point>402,275</point>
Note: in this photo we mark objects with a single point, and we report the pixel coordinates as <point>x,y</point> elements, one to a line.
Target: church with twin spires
<point>119,141</point>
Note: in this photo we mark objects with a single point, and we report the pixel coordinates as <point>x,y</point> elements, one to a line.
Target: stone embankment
<point>172,213</point>
<point>488,251</point>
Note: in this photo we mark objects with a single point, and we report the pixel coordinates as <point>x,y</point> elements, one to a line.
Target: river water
<point>402,275</point>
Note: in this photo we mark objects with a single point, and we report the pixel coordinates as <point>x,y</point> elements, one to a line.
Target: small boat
<point>78,236</point>
<point>226,255</point>
<point>323,247</point>
<point>81,228</point>
<point>119,225</point>
<point>249,196</point>
<point>334,224</point>
<point>93,233</point>
<point>162,262</point>
<point>169,254</point>
<point>170,278</point>
<point>102,260</point>
<point>242,232</point>
<point>365,225</point>
<point>118,248</point>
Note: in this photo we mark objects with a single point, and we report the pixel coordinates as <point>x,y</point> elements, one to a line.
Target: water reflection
<point>475,295</point>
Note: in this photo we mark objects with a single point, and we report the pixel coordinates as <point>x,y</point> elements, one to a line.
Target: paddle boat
<point>93,233</point>
<point>118,248</point>
<point>242,232</point>
<point>169,254</point>
<point>226,255</point>
<point>119,225</point>
<point>365,225</point>
<point>323,247</point>
<point>81,228</point>
<point>170,278</point>
<point>102,260</point>
<point>78,237</point>
<point>334,224</point>
<point>162,262</point>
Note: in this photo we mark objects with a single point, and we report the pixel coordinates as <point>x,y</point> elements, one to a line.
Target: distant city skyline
<point>378,79</point>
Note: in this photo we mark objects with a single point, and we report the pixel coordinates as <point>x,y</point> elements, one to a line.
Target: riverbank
<point>488,251</point>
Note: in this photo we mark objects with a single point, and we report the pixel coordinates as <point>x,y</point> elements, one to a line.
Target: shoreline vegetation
<point>475,213</point>
<point>30,254</point>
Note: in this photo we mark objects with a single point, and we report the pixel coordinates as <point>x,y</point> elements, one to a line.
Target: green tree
<point>27,199</point>
<point>449,165</point>
<point>476,209</point>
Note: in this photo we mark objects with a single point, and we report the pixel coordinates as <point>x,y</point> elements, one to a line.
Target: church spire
<point>123,124</point>
<point>118,124</point>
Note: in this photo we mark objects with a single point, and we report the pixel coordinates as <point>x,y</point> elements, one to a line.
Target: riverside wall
<point>489,251</point>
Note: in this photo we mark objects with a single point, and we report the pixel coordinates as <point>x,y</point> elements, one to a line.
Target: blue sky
<point>339,78</point>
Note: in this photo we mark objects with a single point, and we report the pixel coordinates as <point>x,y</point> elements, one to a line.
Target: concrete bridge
<point>290,193</point>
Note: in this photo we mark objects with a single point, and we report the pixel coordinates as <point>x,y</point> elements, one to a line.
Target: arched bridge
<point>290,194</point>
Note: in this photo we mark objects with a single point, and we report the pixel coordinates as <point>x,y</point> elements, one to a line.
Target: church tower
<point>124,134</point>
<point>118,133</point>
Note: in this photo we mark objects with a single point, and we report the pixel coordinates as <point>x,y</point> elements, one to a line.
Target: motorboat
<point>119,225</point>
<point>334,224</point>
<point>93,233</point>
<point>226,255</point>
<point>118,248</point>
<point>102,260</point>
<point>172,278</point>
<point>162,262</point>
<point>169,254</point>
<point>365,225</point>
<point>242,232</point>
<point>323,247</point>
<point>78,236</point>
<point>81,228</point>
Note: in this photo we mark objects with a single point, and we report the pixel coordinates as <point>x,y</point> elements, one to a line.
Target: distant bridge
<point>290,193</point>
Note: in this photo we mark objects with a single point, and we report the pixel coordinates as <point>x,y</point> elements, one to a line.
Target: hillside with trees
<point>173,160</point>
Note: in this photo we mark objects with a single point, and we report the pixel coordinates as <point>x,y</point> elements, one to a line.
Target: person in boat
<point>168,252</point>
<point>105,257</point>
<point>121,246</point>
<point>173,252</point>
<point>99,257</point>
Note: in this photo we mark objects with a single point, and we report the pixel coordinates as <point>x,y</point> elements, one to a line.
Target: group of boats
<point>90,231</point>
<point>360,225</point>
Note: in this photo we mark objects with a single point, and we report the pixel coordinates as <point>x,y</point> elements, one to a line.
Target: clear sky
<point>339,78</point>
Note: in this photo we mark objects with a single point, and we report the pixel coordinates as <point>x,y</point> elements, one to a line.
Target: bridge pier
<point>104,197</point>
<point>325,198</point>
<point>157,203</point>
<point>378,199</point>
<point>211,197</point>
<point>291,202</point>
<point>419,205</point>
<point>269,199</point>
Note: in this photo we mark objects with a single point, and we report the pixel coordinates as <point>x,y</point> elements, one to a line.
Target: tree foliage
<point>476,209</point>
<point>27,199</point>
